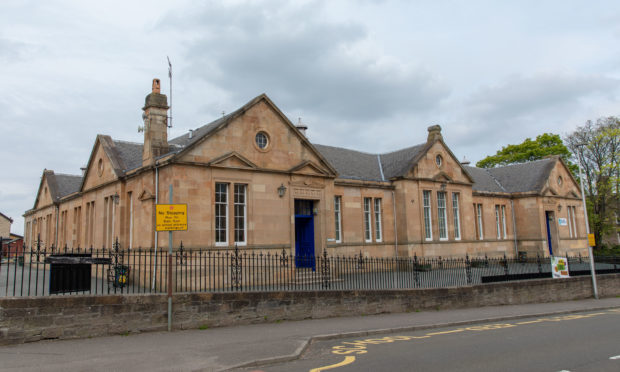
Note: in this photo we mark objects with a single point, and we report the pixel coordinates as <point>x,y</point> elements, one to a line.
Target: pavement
<point>220,349</point>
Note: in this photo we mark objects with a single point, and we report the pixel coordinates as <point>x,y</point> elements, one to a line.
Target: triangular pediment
<point>145,195</point>
<point>572,194</point>
<point>308,168</point>
<point>281,146</point>
<point>549,191</point>
<point>233,160</point>
<point>44,194</point>
<point>437,162</point>
<point>103,164</point>
<point>442,177</point>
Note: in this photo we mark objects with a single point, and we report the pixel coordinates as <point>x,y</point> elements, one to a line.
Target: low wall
<point>63,317</point>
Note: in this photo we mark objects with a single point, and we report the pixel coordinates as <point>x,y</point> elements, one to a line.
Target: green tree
<point>596,146</point>
<point>544,145</point>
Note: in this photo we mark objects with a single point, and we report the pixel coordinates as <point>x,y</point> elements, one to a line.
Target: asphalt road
<point>587,341</point>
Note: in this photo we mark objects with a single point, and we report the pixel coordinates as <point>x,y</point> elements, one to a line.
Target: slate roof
<point>184,140</point>
<point>483,181</point>
<point>524,177</point>
<point>67,184</point>
<point>61,185</point>
<point>397,163</point>
<point>130,153</point>
<point>351,164</point>
<point>357,165</point>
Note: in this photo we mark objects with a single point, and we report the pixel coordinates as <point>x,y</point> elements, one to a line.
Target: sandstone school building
<point>252,179</point>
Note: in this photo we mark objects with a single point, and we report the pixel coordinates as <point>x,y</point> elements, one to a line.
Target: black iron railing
<point>40,271</point>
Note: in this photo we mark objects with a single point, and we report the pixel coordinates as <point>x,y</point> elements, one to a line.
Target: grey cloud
<point>523,96</point>
<point>303,61</point>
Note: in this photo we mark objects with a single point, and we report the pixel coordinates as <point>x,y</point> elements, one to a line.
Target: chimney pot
<point>156,86</point>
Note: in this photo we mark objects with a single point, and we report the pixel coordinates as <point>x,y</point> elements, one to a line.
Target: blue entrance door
<point>549,217</point>
<point>304,234</point>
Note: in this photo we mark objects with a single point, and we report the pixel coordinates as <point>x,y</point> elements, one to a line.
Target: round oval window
<point>560,180</point>
<point>438,160</point>
<point>262,140</point>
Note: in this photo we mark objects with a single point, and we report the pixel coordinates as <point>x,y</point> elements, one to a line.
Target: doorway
<point>304,233</point>
<point>551,231</point>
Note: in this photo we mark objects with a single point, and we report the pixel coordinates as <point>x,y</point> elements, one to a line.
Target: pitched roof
<point>130,153</point>
<point>184,140</point>
<point>67,184</point>
<point>59,185</point>
<point>351,164</point>
<point>483,181</point>
<point>524,177</point>
<point>397,163</point>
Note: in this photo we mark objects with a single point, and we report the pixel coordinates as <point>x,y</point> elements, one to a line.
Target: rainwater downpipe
<point>395,230</point>
<point>514,227</point>
<point>156,201</point>
<point>56,235</point>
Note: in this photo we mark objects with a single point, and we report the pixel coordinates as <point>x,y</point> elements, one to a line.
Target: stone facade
<point>5,226</point>
<point>252,179</point>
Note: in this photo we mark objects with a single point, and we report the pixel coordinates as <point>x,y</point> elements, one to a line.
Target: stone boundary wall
<point>63,317</point>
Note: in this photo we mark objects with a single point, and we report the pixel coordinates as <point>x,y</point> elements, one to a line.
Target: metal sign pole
<point>590,253</point>
<point>170,271</point>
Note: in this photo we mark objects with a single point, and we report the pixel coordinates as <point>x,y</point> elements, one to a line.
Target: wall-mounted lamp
<point>281,190</point>
<point>559,208</point>
<point>116,198</point>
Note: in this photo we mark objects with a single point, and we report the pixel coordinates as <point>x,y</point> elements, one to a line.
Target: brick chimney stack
<point>155,125</point>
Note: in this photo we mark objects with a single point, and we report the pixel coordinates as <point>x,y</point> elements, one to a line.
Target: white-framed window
<point>367,230</point>
<point>456,215</point>
<point>428,229</point>
<point>479,221</point>
<point>573,212</point>
<point>504,221</point>
<point>498,223</point>
<point>441,215</point>
<point>338,218</point>
<point>378,231</point>
<point>221,214</point>
<point>240,210</point>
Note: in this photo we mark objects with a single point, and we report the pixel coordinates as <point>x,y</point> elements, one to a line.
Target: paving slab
<point>219,349</point>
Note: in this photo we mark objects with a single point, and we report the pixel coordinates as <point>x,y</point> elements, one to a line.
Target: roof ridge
<point>380,167</point>
<point>129,142</point>
<point>404,148</point>
<point>523,163</point>
<point>67,174</point>
<point>344,148</point>
<point>495,179</point>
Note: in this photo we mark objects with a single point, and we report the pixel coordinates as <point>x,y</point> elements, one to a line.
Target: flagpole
<point>170,77</point>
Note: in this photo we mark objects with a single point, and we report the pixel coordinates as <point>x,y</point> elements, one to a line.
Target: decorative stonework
<point>305,193</point>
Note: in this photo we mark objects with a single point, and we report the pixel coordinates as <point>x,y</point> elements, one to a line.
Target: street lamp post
<point>585,213</point>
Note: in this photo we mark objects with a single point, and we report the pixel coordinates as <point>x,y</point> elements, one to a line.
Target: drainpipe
<point>514,227</point>
<point>56,235</point>
<point>395,230</point>
<point>156,201</point>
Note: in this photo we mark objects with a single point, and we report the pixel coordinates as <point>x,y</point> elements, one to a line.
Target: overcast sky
<point>366,75</point>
